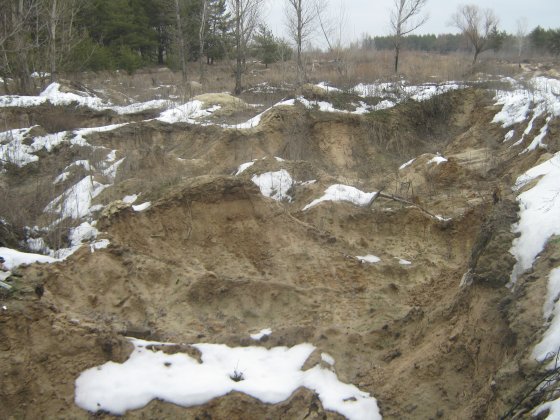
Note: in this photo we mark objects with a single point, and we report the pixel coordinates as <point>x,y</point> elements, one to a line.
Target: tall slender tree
<point>181,40</point>
<point>300,19</point>
<point>218,30</point>
<point>245,15</point>
<point>405,19</point>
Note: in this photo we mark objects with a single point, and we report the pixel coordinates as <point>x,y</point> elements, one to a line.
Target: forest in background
<point>48,37</point>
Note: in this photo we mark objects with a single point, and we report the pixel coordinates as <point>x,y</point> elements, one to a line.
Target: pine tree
<point>218,27</point>
<point>266,46</point>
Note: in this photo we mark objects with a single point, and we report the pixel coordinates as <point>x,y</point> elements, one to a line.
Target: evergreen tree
<point>218,27</point>
<point>539,38</point>
<point>266,46</point>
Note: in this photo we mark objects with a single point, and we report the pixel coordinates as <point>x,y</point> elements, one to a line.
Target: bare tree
<point>405,18</point>
<point>332,27</point>
<point>477,25</point>
<point>300,19</point>
<point>246,15</point>
<point>17,18</point>
<point>520,36</point>
<point>60,20</point>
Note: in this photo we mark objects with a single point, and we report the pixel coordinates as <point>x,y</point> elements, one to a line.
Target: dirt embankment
<point>212,260</point>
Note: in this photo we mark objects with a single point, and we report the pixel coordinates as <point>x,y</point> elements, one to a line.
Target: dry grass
<point>343,69</point>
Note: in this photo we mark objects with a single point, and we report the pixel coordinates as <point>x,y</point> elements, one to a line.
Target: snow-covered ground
<point>395,92</point>
<point>371,259</point>
<point>339,192</point>
<point>538,194</point>
<point>269,375</point>
<point>54,96</point>
<point>538,98</point>
<point>275,184</point>
<point>14,259</point>
<point>539,215</point>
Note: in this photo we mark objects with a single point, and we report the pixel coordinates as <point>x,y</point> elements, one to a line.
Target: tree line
<point>53,36</point>
<point>539,40</point>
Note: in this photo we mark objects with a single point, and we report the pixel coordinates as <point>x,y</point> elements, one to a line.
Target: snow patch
<point>243,167</point>
<point>274,184</point>
<point>539,214</point>
<point>188,112</point>
<point>129,199</point>
<point>327,358</point>
<point>269,375</point>
<point>14,259</point>
<point>339,192</point>
<point>437,160</point>
<point>404,165</point>
<point>262,333</point>
<point>75,202</point>
<point>371,259</point>
<point>142,207</point>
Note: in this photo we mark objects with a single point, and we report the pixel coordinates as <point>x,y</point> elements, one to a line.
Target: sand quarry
<point>373,239</point>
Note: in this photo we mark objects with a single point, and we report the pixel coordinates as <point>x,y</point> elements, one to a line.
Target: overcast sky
<point>372,16</point>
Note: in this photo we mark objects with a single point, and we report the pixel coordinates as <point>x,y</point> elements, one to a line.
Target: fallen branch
<point>401,200</point>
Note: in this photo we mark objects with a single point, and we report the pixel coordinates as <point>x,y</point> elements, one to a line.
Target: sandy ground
<point>213,260</point>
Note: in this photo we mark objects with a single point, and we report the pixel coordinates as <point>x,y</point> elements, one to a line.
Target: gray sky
<point>372,16</point>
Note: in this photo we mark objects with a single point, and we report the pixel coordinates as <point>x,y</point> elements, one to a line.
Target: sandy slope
<point>212,260</point>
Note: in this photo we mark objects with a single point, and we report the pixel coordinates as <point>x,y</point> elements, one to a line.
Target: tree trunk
<point>238,49</point>
<point>181,38</point>
<point>397,50</point>
<point>300,75</point>
<point>52,30</point>
<point>476,52</point>
<point>202,38</point>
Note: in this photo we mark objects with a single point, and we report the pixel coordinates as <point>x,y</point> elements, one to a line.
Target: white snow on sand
<point>75,202</point>
<point>275,184</point>
<point>515,107</point>
<point>509,135</point>
<point>327,358</point>
<point>269,375</point>
<point>539,214</point>
<point>550,342</point>
<point>256,120</point>
<point>400,90</point>
<point>55,96</point>
<point>404,262</point>
<point>404,165</point>
<point>262,333</point>
<point>79,134</point>
<point>141,107</point>
<point>188,112</point>
<point>371,259</point>
<point>14,150</point>
<point>325,86</point>
<point>553,408</point>
<point>437,160</point>
<point>129,199</point>
<point>142,207</point>
<point>339,192</point>
<point>540,97</point>
<point>16,258</point>
<point>243,167</point>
